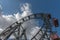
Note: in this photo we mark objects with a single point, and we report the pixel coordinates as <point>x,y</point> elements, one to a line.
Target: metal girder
<point>11,29</point>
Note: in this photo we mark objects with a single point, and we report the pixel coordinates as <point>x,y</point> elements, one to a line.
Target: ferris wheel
<point>33,27</point>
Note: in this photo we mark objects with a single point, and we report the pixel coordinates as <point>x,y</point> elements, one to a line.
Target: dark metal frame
<point>17,25</point>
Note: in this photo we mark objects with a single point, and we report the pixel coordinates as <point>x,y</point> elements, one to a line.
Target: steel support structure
<point>17,27</point>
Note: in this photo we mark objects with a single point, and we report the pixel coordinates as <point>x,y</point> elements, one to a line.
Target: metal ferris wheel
<point>20,31</point>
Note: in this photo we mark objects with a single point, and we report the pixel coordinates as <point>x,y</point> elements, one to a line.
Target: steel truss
<point>17,27</point>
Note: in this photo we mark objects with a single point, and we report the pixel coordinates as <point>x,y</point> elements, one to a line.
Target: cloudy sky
<point>13,10</point>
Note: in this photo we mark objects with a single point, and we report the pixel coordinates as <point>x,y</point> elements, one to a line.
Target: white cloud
<point>17,16</point>
<point>26,10</point>
<point>6,20</point>
<point>1,30</point>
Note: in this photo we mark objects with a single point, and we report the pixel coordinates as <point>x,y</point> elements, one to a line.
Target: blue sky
<point>37,6</point>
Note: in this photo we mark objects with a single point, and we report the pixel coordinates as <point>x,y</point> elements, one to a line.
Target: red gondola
<point>55,22</point>
<point>54,36</point>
